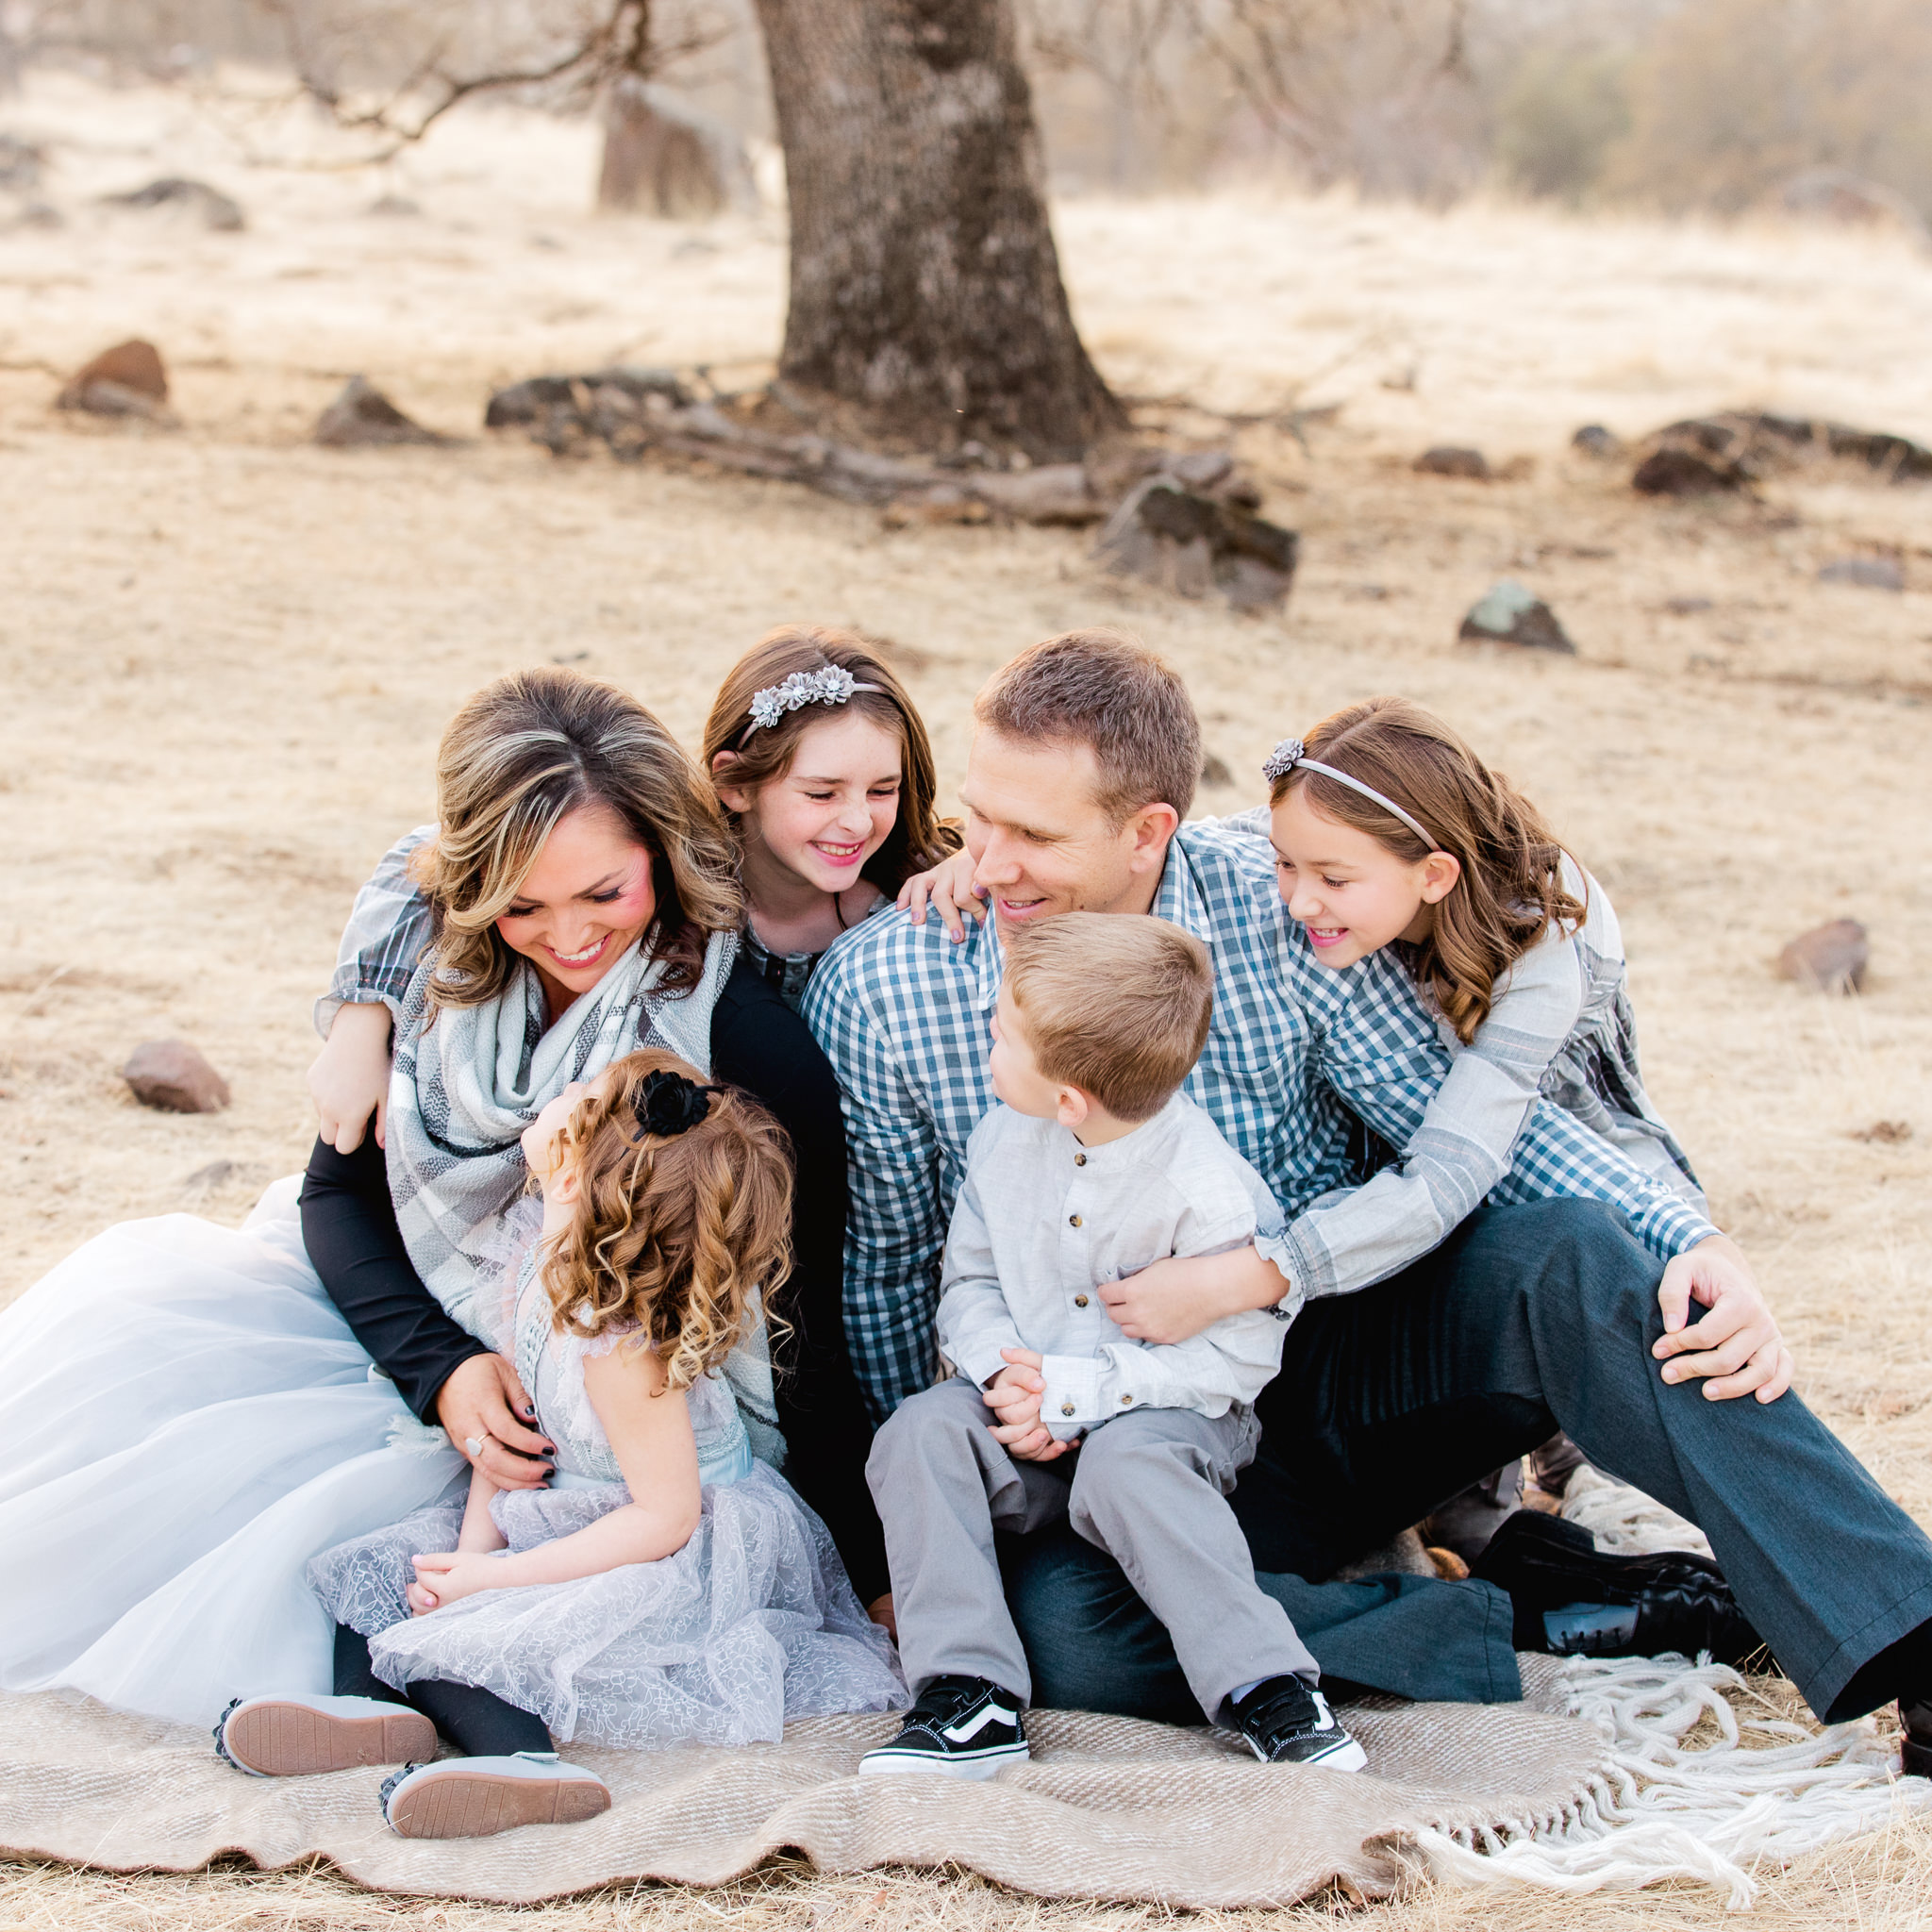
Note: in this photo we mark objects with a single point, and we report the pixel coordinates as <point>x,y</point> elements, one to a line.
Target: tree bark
<point>925,291</point>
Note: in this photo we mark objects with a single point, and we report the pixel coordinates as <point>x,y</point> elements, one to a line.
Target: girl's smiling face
<point>836,806</point>
<point>1347,888</point>
<point>585,902</point>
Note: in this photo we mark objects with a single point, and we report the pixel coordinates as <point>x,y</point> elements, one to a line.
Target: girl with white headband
<point>1389,831</point>
<point>825,776</point>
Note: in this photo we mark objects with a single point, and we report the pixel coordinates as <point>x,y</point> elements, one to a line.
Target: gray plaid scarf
<point>467,1084</point>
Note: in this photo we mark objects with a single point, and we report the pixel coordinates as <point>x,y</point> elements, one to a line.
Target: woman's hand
<point>484,1402</point>
<point>948,889</point>
<point>349,1079</point>
<point>1173,1300</point>
<point>445,1579</point>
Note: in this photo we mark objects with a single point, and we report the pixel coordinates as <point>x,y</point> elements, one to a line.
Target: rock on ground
<point>1509,614</point>
<point>1868,573</point>
<point>1449,460</point>
<point>175,1077</point>
<point>213,208</point>
<point>1593,439</point>
<point>1831,958</point>
<point>362,416</point>
<point>1192,544</point>
<point>130,380</point>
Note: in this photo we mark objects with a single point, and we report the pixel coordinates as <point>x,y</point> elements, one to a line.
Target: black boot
<point>1574,1600</point>
<point>1917,1740</point>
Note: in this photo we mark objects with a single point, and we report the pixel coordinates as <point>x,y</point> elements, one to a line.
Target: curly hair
<point>519,755</point>
<point>675,1233</point>
<point>1512,888</point>
<point>918,838</point>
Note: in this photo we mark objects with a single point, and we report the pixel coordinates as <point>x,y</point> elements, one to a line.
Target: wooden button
<point>1079,1161</point>
<point>1079,1301</point>
<point>1066,1409</point>
<point>1072,1220</point>
<point>1124,1400</point>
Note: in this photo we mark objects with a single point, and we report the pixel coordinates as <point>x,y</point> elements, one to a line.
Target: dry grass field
<point>228,655</point>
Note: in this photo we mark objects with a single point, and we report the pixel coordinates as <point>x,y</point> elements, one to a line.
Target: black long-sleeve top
<point>759,1045</point>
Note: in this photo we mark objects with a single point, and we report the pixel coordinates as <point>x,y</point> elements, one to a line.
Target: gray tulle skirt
<point>752,1622</point>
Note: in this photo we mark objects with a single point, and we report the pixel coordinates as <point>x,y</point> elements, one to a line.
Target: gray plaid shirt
<point>1294,1052</point>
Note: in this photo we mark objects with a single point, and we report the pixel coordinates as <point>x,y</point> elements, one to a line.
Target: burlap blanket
<point>1108,1809</point>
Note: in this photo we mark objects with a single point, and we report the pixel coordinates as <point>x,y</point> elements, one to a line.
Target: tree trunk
<point>926,288</point>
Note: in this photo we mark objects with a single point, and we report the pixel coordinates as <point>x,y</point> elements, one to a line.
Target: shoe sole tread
<point>480,1804</point>
<point>292,1741</point>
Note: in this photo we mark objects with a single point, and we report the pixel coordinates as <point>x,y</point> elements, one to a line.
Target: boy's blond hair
<point>1114,1004</point>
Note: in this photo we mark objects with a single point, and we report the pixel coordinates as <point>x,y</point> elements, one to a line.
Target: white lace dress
<point>752,1622</point>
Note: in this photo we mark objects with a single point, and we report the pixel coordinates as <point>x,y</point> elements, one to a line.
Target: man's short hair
<point>1103,688</point>
<point>1116,1004</point>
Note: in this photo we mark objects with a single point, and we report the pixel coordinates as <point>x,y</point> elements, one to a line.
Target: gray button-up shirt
<point>1041,1222</point>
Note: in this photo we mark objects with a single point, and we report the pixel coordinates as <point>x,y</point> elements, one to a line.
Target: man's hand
<point>1173,1300</point>
<point>1014,1395</point>
<point>484,1402</point>
<point>1736,1341</point>
<point>348,1079</point>
<point>441,1579</point>
<point>884,1612</point>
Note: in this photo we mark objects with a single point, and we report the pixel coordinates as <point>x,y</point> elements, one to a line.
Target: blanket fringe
<point>1623,1519</point>
<point>1766,1792</point>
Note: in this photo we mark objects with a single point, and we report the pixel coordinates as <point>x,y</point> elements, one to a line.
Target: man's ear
<point>1148,831</point>
<point>1440,871</point>
<point>1072,1109</point>
<point>733,797</point>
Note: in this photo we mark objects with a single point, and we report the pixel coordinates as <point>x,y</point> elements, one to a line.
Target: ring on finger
<point>474,1445</point>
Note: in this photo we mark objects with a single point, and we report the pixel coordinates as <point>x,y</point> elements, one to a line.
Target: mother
<point>203,1406</point>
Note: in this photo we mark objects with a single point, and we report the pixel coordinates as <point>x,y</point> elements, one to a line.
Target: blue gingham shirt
<point>1294,1051</point>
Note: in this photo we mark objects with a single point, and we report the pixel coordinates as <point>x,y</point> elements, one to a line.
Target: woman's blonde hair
<point>519,755</point>
<point>673,1232</point>
<point>1511,887</point>
<point>918,838</point>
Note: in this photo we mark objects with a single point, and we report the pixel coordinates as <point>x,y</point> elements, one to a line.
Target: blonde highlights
<point>522,754</point>
<point>1512,888</point>
<point>918,838</point>
<point>672,1233</point>
<point>1116,1004</point>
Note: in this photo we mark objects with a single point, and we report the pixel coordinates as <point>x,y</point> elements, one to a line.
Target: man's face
<point>1040,842</point>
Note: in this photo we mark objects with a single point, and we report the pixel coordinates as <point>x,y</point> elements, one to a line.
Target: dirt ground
<point>228,655</point>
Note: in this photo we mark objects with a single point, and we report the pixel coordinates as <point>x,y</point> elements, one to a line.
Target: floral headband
<point>1292,753</point>
<point>831,684</point>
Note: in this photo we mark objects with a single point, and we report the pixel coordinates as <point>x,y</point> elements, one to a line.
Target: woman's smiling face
<point>584,903</point>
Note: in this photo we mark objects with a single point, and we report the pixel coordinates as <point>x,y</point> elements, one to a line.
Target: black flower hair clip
<point>668,1104</point>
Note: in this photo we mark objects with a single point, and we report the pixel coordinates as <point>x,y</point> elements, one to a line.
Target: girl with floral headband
<point>826,776</point>
<point>669,1587</point>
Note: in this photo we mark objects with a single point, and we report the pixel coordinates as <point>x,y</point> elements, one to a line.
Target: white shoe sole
<point>297,1737</point>
<point>885,1763</point>
<point>1348,1756</point>
<point>460,1798</point>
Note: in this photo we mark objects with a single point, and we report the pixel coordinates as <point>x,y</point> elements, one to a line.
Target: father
<point>1544,1309</point>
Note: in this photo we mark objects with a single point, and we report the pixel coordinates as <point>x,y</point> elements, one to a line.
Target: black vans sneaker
<point>957,1726</point>
<point>1286,1722</point>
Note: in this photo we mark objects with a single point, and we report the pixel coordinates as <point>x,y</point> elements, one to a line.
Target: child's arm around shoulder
<point>650,1432</point>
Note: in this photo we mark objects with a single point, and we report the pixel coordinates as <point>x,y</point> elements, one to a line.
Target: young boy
<point>1096,1166</point>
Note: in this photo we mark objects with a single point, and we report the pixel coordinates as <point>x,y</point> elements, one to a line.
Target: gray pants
<point>1150,1488</point>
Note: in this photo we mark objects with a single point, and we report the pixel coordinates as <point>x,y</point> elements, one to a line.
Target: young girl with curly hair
<point>669,1587</point>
